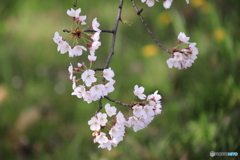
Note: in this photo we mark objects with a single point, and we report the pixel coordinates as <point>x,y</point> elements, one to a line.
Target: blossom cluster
<point>166,3</point>
<point>94,84</point>
<point>143,112</point>
<point>183,58</point>
<point>108,133</point>
<point>91,41</point>
<point>90,86</point>
<point>91,90</point>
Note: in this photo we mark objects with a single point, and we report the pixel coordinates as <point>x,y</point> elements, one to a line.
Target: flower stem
<point>148,29</point>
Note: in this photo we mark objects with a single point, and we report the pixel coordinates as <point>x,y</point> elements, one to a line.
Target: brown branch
<point>114,32</point>
<point>65,30</point>
<point>98,69</point>
<point>118,102</point>
<point>148,29</point>
<point>99,106</point>
<point>90,30</point>
<point>102,30</point>
<point>75,3</point>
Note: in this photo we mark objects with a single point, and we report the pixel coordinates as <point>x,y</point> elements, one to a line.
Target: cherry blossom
<point>110,110</point>
<point>150,3</point>
<point>183,38</point>
<point>120,118</point>
<point>95,45</point>
<point>142,116</point>
<point>79,91</point>
<point>155,97</point>
<point>74,82</point>
<point>63,47</point>
<point>95,25</point>
<point>102,118</point>
<point>194,51</point>
<point>131,121</point>
<point>107,145</point>
<point>88,97</point>
<point>101,138</point>
<point>117,131</point>
<point>97,91</point>
<point>95,36</point>
<point>70,70</point>
<point>57,38</point>
<point>108,87</point>
<point>108,74</point>
<point>74,13</point>
<point>91,56</point>
<point>81,20</point>
<point>178,56</point>
<point>167,3</point>
<point>183,58</point>
<point>137,111</point>
<point>79,65</point>
<point>138,125</point>
<point>94,124</point>
<point>149,110</point>
<point>76,51</point>
<point>88,77</point>
<point>109,126</point>
<point>138,91</point>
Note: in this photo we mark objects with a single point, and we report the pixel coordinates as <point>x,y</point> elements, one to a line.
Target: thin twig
<point>91,30</point>
<point>98,69</point>
<point>118,102</point>
<point>75,3</point>
<point>148,29</point>
<point>65,30</point>
<point>99,106</point>
<point>114,32</point>
<point>102,30</point>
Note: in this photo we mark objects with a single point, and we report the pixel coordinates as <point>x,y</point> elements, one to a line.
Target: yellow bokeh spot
<point>150,50</point>
<point>206,8</point>
<point>197,3</point>
<point>165,18</point>
<point>3,93</point>
<point>219,34</point>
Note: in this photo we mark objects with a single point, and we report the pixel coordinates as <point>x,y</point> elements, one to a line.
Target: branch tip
<point>148,29</point>
<point>75,3</point>
<point>140,11</point>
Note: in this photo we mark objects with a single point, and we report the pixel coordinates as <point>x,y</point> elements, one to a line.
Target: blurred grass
<point>41,120</point>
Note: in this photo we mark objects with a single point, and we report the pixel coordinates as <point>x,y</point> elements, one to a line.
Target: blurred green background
<point>40,119</point>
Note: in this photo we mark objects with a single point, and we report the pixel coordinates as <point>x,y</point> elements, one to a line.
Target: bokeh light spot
<point>150,50</point>
<point>197,3</point>
<point>3,93</point>
<point>165,18</point>
<point>219,34</point>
